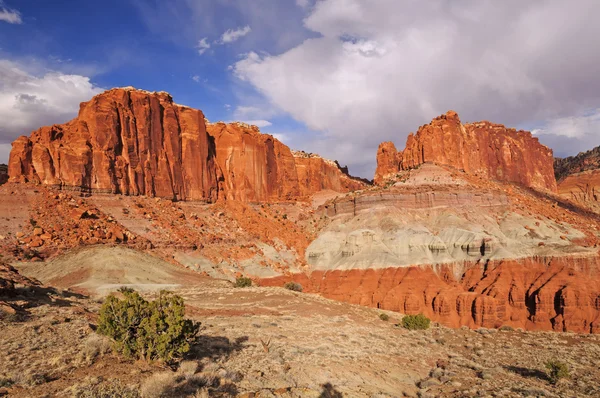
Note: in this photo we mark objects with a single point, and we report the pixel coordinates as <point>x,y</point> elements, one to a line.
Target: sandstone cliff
<point>486,149</point>
<point>316,174</point>
<point>135,142</point>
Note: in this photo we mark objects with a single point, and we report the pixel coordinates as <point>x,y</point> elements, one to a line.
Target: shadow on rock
<point>330,392</point>
<point>215,347</point>
<point>525,372</point>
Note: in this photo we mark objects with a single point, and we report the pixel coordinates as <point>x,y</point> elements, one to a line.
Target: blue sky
<point>336,77</point>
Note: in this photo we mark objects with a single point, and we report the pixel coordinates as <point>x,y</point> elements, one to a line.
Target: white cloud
<point>303,3</point>
<point>196,78</point>
<point>572,134</point>
<point>232,35</point>
<point>29,101</point>
<point>203,45</point>
<point>378,70</point>
<point>258,123</point>
<point>9,15</point>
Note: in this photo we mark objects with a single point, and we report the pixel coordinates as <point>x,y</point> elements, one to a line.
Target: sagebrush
<point>416,322</point>
<point>557,370</point>
<point>242,281</point>
<point>148,329</point>
<point>294,286</point>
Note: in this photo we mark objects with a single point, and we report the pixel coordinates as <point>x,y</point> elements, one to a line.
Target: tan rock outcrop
<point>486,149</point>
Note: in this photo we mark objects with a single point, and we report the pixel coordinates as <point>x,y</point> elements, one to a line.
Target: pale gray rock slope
<point>449,223</point>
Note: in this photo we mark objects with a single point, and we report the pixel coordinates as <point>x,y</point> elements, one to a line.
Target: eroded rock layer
<point>135,142</point>
<point>486,149</point>
<point>560,294</point>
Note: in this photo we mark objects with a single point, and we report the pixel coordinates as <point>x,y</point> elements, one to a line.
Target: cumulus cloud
<point>9,15</point>
<point>378,70</point>
<point>29,101</point>
<point>203,45</point>
<point>232,35</point>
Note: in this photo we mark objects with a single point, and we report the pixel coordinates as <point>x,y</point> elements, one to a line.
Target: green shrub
<point>557,370</point>
<point>416,322</point>
<point>148,330</point>
<point>242,281</point>
<point>296,287</point>
<point>384,317</point>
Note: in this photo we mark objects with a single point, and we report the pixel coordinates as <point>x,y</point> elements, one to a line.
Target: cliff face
<point>317,174</point>
<point>255,166</point>
<point>486,149</point>
<point>560,294</point>
<point>123,141</point>
<point>135,142</point>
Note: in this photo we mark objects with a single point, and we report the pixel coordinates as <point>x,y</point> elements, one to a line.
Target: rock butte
<point>135,142</point>
<point>465,224</point>
<point>483,148</point>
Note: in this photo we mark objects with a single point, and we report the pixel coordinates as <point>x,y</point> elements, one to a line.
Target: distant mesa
<point>483,148</point>
<point>136,142</point>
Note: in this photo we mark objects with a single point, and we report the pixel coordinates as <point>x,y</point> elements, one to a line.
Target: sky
<point>333,77</point>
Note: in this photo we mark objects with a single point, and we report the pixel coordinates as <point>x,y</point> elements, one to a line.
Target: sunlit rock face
<point>135,142</point>
<point>483,148</point>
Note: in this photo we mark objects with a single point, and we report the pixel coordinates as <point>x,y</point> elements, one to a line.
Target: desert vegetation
<point>293,286</point>
<point>243,281</point>
<point>147,329</point>
<point>416,322</point>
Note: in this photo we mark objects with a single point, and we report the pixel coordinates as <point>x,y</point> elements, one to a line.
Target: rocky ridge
<point>486,149</point>
<point>579,178</point>
<point>462,249</point>
<point>134,142</point>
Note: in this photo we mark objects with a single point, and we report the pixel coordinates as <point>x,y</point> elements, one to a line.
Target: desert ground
<point>264,342</point>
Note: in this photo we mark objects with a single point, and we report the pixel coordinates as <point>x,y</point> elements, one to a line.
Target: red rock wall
<point>317,174</point>
<point>582,187</point>
<point>123,141</point>
<point>561,294</point>
<point>256,167</point>
<point>139,143</point>
<point>487,149</point>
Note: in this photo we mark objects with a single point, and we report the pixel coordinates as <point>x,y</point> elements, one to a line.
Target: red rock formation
<point>123,141</point>
<point>139,143</point>
<point>486,149</point>
<point>316,174</point>
<point>584,161</point>
<point>561,294</point>
<point>582,187</point>
<point>256,167</point>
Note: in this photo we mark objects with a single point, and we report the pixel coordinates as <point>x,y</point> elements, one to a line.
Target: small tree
<point>416,322</point>
<point>557,370</point>
<point>384,317</point>
<point>148,330</point>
